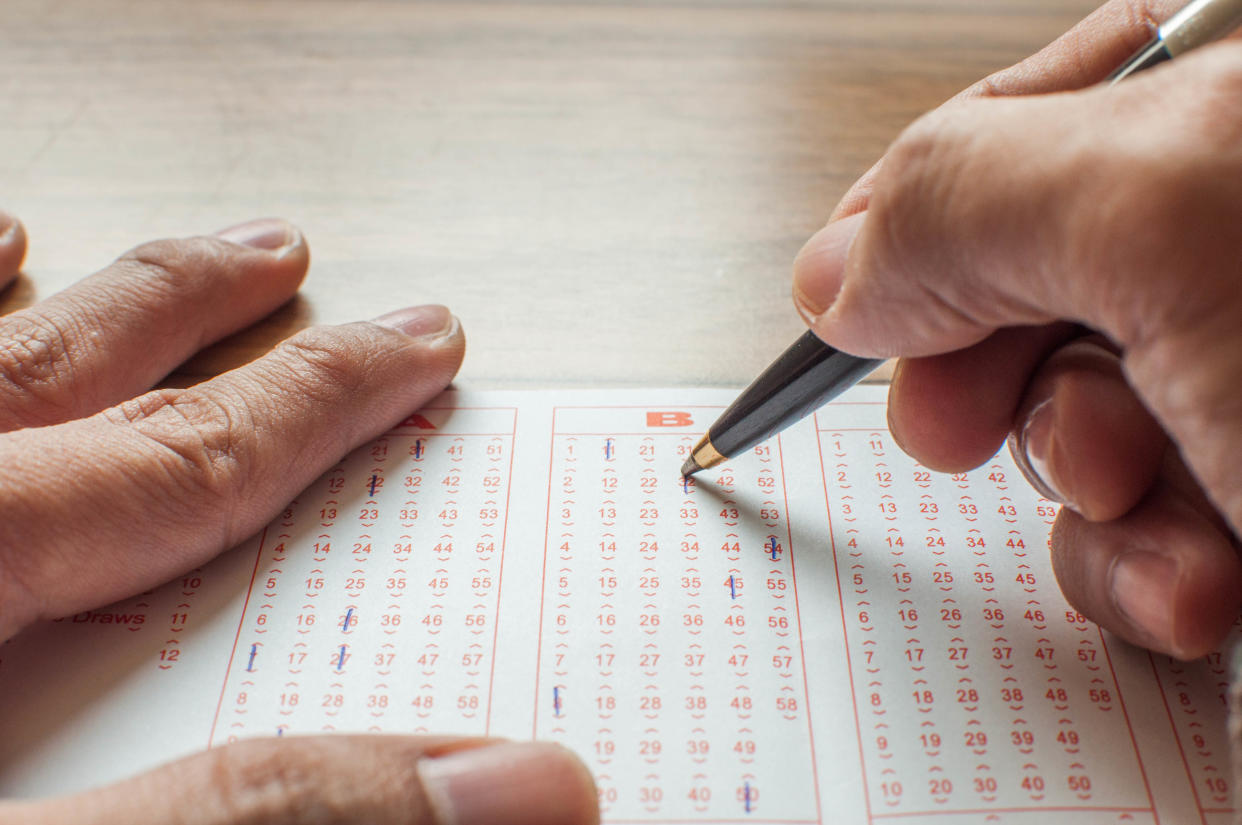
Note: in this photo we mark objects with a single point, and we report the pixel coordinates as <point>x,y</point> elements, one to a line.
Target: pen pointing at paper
<point>811,373</point>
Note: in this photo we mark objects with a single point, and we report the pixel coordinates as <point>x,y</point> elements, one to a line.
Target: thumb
<point>335,780</point>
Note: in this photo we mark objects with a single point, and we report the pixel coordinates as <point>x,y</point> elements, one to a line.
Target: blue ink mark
<point>418,448</point>
<point>374,479</point>
<point>349,614</point>
<point>280,731</point>
<point>685,485</point>
<point>746,795</point>
<point>608,449</point>
<point>254,649</point>
<point>556,701</point>
<point>732,588</point>
<point>340,660</point>
<point>773,547</point>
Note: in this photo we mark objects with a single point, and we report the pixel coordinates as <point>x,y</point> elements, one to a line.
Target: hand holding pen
<point>1065,271</point>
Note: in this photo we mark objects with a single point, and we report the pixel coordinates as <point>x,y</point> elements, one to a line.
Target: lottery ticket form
<point>819,631</point>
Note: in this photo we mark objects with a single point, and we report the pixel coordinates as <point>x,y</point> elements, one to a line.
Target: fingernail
<point>12,247</point>
<point>1031,447</point>
<point>1143,585</point>
<point>428,322</point>
<point>819,268</point>
<point>272,234</point>
<point>509,784</point>
<point>11,231</point>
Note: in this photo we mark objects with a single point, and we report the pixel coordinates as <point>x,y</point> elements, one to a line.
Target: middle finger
<point>116,333</point>
<point>952,411</point>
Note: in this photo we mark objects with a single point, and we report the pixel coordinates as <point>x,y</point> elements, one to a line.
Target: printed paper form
<point>821,631</point>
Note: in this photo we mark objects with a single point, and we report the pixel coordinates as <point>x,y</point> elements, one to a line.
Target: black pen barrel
<point>805,377</point>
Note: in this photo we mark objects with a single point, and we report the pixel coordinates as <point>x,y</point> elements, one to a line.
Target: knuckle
<point>922,168</point>
<point>1139,19</point>
<point>1189,378</point>
<point>262,782</point>
<point>1154,206</point>
<point>917,179</point>
<point>326,365</point>
<point>175,262</point>
<point>1001,83</point>
<point>1143,15</point>
<point>916,148</point>
<point>35,355</point>
<point>272,781</point>
<point>201,440</point>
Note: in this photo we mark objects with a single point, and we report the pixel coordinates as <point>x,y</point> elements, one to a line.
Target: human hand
<point>106,494</point>
<point>340,780</point>
<point>1062,270</point>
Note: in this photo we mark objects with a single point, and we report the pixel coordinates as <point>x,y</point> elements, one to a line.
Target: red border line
<point>986,810</point>
<point>806,690</point>
<point>500,575</point>
<point>543,575</point>
<point>1177,737</point>
<point>1121,700</point>
<point>878,428</point>
<point>232,653</point>
<point>1023,810</point>
<point>845,634</point>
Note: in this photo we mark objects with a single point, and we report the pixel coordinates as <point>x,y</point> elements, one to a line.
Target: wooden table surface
<point>606,193</point>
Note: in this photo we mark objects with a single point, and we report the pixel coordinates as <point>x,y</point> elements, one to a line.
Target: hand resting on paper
<point>109,489</point>
<point>1065,270</point>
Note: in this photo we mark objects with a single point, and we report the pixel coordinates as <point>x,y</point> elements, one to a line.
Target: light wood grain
<point>605,193</point>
